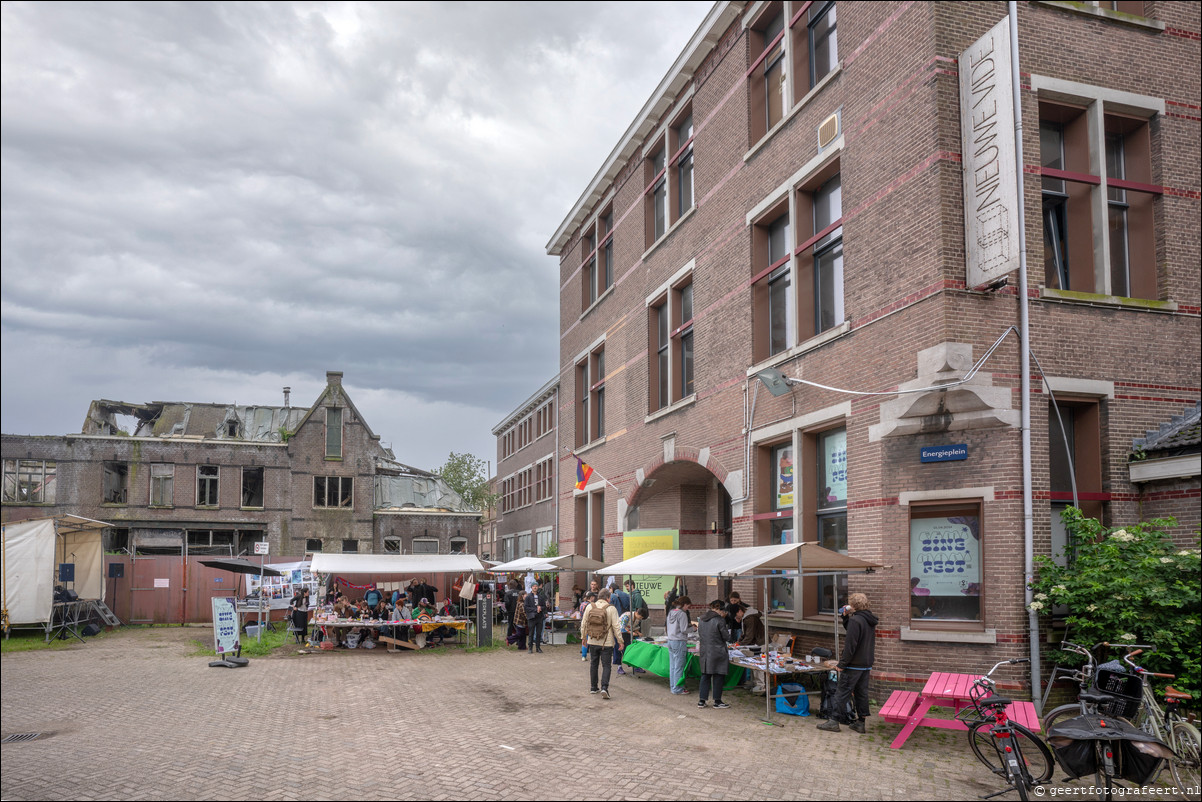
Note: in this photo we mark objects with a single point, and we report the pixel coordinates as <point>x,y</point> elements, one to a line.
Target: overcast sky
<point>209,201</point>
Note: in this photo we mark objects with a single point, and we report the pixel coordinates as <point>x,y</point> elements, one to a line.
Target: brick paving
<point>133,716</point>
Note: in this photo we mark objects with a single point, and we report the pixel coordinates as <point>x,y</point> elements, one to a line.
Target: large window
<point>1119,257</point>
<point>783,492</point>
<point>333,491</point>
<point>772,285</point>
<point>206,485</point>
<point>162,485</point>
<point>656,193</point>
<point>29,481</point>
<point>597,258</point>
<point>670,323</point>
<point>252,487</point>
<point>333,433</point>
<point>945,563</point>
<point>115,488</point>
<point>590,385</point>
<point>682,164</point>
<point>803,38</point>
<point>828,255</point>
<point>831,511</point>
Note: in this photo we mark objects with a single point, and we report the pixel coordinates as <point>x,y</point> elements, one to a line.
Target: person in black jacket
<point>855,664</point>
<point>536,613</point>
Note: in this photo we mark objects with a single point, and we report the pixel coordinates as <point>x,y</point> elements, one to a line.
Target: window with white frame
<point>206,485</point>
<point>162,484</point>
<point>670,324</point>
<point>30,481</point>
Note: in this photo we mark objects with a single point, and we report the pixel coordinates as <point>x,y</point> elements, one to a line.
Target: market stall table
<point>413,624</point>
<point>910,708</point>
<point>655,659</point>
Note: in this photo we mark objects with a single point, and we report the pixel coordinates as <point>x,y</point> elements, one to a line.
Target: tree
<point>467,475</point>
<point>1127,585</point>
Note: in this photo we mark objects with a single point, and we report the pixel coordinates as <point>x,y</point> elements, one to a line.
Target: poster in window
<point>640,541</point>
<point>945,557</point>
<point>784,477</point>
<point>834,467</point>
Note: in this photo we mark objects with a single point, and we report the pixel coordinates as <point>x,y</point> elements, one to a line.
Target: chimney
<point>287,391</point>
<point>334,378</point>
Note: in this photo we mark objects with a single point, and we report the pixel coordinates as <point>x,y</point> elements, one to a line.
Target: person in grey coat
<point>712,638</point>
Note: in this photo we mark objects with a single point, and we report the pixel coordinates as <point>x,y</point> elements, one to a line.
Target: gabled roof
<point>1181,433</point>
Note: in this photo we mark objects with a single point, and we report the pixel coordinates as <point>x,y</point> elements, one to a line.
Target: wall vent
<point>829,130</point>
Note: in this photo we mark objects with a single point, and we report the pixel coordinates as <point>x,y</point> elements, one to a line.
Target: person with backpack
<point>855,664</point>
<point>599,626</point>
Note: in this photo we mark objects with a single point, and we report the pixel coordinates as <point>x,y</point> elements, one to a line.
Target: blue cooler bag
<point>792,700</point>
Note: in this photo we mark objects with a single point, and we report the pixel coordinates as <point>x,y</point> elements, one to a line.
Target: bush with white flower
<point>1127,585</point>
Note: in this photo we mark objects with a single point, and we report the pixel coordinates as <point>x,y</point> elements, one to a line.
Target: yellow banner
<point>641,541</point>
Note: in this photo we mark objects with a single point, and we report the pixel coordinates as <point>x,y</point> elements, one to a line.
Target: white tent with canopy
<point>32,552</point>
<point>565,562</point>
<point>780,561</point>
<point>395,563</point>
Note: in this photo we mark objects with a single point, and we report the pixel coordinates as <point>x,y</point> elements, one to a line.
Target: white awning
<point>396,563</point>
<point>732,562</point>
<point>564,562</point>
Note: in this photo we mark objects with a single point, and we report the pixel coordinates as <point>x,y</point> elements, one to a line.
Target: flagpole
<point>603,479</point>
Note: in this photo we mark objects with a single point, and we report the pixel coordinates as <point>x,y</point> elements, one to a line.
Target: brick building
<point>197,478</point>
<point>527,476</point>
<point>790,203</point>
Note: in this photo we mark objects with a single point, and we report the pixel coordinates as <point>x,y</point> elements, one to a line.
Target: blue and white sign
<point>945,453</point>
<point>225,625</point>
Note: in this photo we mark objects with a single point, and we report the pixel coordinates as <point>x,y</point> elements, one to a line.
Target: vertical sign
<point>987,131</point>
<point>225,625</point>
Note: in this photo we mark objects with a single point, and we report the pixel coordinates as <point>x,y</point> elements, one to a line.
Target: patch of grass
<point>31,640</point>
<point>498,642</point>
<point>273,642</point>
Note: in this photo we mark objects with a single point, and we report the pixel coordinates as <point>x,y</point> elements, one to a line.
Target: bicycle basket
<point>1125,690</point>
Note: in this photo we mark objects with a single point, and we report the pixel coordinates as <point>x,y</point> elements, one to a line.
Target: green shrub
<point>1128,585</point>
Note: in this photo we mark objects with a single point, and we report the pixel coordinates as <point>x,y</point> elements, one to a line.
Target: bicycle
<point>1005,747</point>
<point>1117,697</point>
<point>1170,726</point>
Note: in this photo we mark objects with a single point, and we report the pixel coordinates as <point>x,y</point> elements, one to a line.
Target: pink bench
<point>910,708</point>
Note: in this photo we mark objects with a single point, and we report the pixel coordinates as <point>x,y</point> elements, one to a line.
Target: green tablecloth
<point>656,660</point>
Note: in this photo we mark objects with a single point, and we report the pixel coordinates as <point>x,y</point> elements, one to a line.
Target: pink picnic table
<point>910,708</point>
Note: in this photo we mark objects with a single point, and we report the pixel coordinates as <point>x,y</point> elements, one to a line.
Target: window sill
<point>600,298</point>
<point>671,229</point>
<point>986,637</point>
<point>1098,299</point>
<point>590,445</point>
<point>675,406</point>
<point>333,459</point>
<point>817,341</point>
<point>19,503</point>
<point>797,107</point>
<point>114,504</point>
<point>161,506</point>
<point>207,507</point>
<point>253,509</point>
<point>1103,13</point>
<point>336,509</point>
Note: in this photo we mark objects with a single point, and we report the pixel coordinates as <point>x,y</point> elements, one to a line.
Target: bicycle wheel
<point>1035,753</point>
<point>1185,742</point>
<point>1060,714</point>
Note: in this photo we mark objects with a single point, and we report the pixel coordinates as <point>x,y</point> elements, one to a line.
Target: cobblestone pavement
<point>133,716</point>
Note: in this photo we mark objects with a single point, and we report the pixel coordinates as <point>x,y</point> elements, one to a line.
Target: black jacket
<point>533,602</point>
<point>859,647</point>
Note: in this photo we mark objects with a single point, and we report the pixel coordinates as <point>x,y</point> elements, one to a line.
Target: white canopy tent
<point>395,563</point>
<point>566,562</point>
<point>780,561</point>
<point>32,552</point>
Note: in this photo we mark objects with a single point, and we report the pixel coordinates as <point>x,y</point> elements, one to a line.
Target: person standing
<point>536,615</point>
<point>298,609</point>
<point>678,643</point>
<point>599,627</point>
<point>712,652</point>
<point>855,664</point>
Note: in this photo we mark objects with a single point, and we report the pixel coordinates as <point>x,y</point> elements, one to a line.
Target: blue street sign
<point>949,453</point>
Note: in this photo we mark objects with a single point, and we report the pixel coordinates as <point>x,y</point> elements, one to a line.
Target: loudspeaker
<point>116,570</point>
<point>90,630</point>
<point>70,595</point>
<point>66,572</point>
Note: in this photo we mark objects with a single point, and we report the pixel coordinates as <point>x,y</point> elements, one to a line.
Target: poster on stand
<point>225,625</point>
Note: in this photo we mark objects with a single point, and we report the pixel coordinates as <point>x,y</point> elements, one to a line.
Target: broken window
<point>333,491</point>
<point>425,546</point>
<point>350,546</point>
<point>392,545</point>
<point>206,485</point>
<point>116,483</point>
<point>458,545</point>
<point>29,481</point>
<point>162,485</point>
<point>210,540</point>
<point>313,544</point>
<point>252,487</point>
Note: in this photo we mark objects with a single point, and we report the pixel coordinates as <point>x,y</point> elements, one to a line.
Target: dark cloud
<point>206,201</point>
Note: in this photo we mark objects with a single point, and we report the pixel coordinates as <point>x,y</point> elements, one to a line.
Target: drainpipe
<point>1024,335</point>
